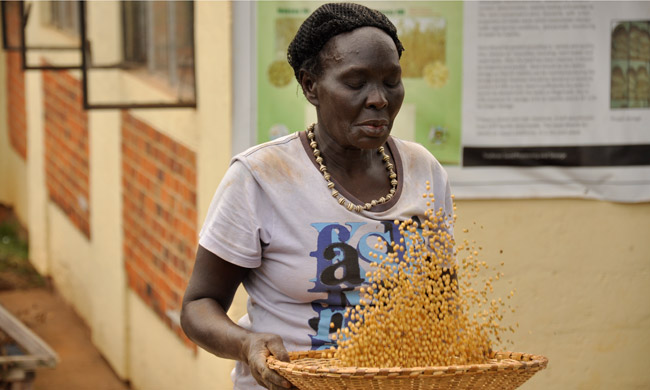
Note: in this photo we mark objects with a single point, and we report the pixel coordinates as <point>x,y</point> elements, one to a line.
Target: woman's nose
<point>376,98</point>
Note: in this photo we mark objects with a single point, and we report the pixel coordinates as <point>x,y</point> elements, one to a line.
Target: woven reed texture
<point>308,370</point>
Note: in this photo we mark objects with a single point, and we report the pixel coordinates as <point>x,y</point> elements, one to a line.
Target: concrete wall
<point>582,273</point>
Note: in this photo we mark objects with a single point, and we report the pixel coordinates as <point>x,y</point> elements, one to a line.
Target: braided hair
<point>328,21</point>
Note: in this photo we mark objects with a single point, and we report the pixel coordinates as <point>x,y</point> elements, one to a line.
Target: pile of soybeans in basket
<point>427,303</point>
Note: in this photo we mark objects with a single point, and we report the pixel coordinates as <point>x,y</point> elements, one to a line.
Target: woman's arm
<point>204,319</point>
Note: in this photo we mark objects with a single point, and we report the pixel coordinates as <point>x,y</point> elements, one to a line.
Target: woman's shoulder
<point>271,147</point>
<point>414,150</point>
<point>278,159</point>
<point>284,148</point>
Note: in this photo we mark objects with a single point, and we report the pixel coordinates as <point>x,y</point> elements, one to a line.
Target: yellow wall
<point>582,273</point>
<point>36,200</point>
<point>109,321</point>
<point>160,361</point>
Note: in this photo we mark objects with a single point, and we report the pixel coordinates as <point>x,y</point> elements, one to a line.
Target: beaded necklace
<point>392,176</point>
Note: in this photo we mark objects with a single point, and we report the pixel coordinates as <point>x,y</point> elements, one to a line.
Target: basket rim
<point>507,360</point>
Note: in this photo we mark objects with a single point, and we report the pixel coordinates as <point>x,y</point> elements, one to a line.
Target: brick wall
<point>66,147</point>
<point>159,215</point>
<point>16,116</point>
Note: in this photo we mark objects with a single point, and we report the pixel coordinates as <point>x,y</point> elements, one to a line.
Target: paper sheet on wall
<point>555,101</point>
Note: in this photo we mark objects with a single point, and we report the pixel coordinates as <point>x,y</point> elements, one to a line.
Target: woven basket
<point>504,371</point>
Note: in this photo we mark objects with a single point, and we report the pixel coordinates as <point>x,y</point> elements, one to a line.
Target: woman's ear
<point>308,84</point>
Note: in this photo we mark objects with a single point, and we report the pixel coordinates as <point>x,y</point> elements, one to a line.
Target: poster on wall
<point>555,100</point>
<point>516,99</point>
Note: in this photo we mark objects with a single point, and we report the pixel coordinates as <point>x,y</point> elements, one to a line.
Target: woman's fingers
<point>275,379</point>
<point>260,348</point>
<point>267,377</point>
<point>277,349</point>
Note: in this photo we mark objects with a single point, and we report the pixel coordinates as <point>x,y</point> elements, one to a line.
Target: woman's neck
<point>350,161</point>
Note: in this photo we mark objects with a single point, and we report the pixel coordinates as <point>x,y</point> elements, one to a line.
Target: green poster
<point>431,33</point>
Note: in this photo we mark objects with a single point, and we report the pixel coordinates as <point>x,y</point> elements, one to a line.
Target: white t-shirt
<point>308,255</point>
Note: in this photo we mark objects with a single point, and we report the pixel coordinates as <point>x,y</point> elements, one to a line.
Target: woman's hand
<point>256,348</point>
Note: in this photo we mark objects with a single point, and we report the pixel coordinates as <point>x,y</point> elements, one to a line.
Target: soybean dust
<point>428,303</point>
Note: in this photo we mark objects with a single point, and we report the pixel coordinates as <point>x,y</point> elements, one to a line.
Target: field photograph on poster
<point>630,57</point>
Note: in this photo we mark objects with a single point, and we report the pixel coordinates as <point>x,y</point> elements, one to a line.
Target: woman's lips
<point>374,128</point>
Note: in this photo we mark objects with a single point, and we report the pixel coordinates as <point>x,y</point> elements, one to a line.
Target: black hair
<point>328,21</point>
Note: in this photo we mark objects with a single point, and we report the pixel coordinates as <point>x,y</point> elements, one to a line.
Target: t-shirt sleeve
<point>238,220</point>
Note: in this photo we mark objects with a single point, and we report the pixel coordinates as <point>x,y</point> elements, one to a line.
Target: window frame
<point>123,65</point>
<point>25,13</point>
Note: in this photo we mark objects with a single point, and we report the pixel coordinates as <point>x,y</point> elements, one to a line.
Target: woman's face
<point>360,91</point>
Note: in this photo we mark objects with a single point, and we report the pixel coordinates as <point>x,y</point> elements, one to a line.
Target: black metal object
<point>86,65</point>
<point>23,355</point>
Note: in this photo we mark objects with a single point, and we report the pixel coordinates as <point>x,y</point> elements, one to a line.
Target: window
<point>64,15</point>
<point>138,54</point>
<point>22,31</point>
<point>158,37</point>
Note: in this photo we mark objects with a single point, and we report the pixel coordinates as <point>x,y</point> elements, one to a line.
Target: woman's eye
<point>355,84</point>
<point>392,83</point>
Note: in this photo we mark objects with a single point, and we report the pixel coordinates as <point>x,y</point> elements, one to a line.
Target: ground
<point>34,301</point>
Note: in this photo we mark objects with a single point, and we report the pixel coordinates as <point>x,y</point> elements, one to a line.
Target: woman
<point>294,219</point>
